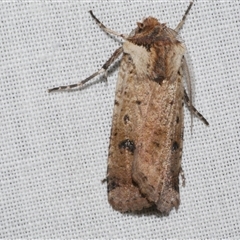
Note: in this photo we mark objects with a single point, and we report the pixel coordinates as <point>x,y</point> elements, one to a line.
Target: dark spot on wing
<point>126,119</point>
<point>156,144</point>
<point>130,60</point>
<point>128,145</point>
<point>176,186</point>
<point>177,120</point>
<point>112,184</point>
<point>159,79</point>
<point>175,146</point>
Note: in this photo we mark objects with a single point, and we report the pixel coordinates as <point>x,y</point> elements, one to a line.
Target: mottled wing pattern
<point>123,193</point>
<point>146,139</point>
<point>157,158</point>
<point>145,151</point>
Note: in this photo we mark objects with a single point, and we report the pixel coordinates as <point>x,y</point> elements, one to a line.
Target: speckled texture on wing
<point>157,158</point>
<point>123,193</point>
<point>146,139</point>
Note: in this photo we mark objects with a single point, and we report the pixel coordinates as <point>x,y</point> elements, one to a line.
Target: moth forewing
<point>157,159</point>
<point>150,91</point>
<point>123,194</point>
<point>144,160</point>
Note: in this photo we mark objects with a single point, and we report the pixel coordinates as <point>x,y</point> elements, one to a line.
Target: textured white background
<point>53,151</point>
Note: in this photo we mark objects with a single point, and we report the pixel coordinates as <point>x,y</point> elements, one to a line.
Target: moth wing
<point>157,158</point>
<point>123,194</point>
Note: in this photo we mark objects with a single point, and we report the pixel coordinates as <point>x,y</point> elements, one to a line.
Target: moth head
<point>147,26</point>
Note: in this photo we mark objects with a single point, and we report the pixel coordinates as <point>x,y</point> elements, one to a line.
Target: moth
<point>145,151</point>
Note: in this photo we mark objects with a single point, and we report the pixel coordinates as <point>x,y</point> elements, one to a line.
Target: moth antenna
<point>179,26</point>
<point>104,68</point>
<point>105,29</point>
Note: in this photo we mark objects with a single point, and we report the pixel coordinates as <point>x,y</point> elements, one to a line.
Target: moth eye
<point>140,27</point>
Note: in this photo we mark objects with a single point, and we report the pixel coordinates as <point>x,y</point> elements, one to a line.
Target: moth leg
<point>179,26</point>
<point>188,83</point>
<point>104,180</point>
<point>193,109</point>
<point>102,70</point>
<point>188,78</point>
<point>105,29</point>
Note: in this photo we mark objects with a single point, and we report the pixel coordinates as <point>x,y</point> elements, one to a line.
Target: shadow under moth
<point>145,151</point>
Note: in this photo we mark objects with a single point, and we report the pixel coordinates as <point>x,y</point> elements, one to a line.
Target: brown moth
<point>145,151</point>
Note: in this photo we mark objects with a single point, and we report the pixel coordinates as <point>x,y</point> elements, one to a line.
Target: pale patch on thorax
<point>140,56</point>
